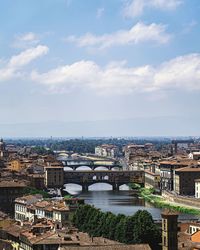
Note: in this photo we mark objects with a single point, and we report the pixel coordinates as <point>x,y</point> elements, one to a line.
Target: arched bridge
<point>115,178</point>
<point>93,164</point>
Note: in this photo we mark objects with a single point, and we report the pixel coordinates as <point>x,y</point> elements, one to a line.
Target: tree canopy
<point>135,229</point>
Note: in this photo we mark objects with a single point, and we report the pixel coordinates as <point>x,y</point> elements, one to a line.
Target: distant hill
<point>155,126</point>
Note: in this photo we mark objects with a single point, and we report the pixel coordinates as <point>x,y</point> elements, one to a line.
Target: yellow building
<point>16,165</point>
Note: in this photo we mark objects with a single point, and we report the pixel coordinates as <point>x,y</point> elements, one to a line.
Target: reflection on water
<point>101,195</point>
<point>124,201</point>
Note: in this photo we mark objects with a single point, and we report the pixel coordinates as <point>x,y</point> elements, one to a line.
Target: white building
<point>193,228</point>
<point>33,206</point>
<point>197,188</point>
<point>107,150</point>
<point>22,204</point>
<point>194,156</point>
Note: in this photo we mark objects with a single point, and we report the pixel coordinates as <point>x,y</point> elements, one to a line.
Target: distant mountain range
<point>155,126</point>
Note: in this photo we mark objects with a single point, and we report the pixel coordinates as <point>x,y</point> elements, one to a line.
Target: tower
<point>169,230</point>
<point>2,148</point>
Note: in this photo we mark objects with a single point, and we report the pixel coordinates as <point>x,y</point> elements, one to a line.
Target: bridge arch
<point>68,168</point>
<point>115,186</point>
<point>96,168</point>
<point>96,186</point>
<point>87,168</point>
<point>92,167</point>
<point>73,188</point>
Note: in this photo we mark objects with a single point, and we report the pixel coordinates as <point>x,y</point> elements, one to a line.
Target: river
<point>124,201</point>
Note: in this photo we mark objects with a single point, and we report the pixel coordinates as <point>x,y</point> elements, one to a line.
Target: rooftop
<point>12,183</point>
<point>189,169</point>
<point>111,247</point>
<point>29,198</point>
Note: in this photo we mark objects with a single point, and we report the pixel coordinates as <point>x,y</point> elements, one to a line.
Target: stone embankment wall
<point>181,199</point>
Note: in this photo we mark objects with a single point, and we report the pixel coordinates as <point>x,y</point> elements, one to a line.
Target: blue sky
<point>79,61</point>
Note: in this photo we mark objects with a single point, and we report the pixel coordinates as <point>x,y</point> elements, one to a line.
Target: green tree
<point>119,231</point>
<point>145,230</point>
<point>139,228</point>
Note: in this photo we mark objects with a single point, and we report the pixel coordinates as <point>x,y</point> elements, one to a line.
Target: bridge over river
<point>93,164</point>
<point>114,178</point>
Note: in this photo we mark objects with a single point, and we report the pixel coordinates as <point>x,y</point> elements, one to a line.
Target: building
<point>195,238</point>
<point>184,180</point>
<point>3,152</point>
<point>107,150</point>
<point>54,175</point>
<point>111,247</point>
<point>28,208</point>
<point>169,230</point>
<point>197,188</point>
<point>152,180</point>
<point>55,210</point>
<point>194,155</point>
<point>37,180</point>
<point>181,146</point>
<point>167,168</point>
<point>43,234</point>
<point>16,165</point>
<point>193,228</point>
<point>21,207</point>
<point>9,191</point>
<point>36,168</point>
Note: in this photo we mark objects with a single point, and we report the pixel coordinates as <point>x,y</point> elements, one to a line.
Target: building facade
<point>107,150</point>
<point>169,231</point>
<point>9,191</point>
<point>197,188</point>
<point>184,180</point>
<point>54,175</point>
<point>152,180</point>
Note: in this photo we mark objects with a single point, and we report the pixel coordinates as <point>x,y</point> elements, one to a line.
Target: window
<point>165,240</point>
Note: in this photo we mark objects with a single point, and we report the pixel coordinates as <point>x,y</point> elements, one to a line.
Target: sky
<point>99,67</point>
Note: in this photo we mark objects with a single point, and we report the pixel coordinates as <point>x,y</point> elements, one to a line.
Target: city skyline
<point>94,68</point>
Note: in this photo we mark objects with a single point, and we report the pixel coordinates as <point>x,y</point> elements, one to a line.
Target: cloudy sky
<point>75,62</point>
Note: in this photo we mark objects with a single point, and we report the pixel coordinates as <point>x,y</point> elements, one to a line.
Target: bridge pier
<point>115,186</point>
<point>85,187</point>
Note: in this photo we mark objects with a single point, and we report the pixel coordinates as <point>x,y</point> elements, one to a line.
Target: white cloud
<point>179,73</point>
<point>12,67</point>
<point>137,34</point>
<point>26,40</point>
<point>100,12</point>
<point>136,7</point>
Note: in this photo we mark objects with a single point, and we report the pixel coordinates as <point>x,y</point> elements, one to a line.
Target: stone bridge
<point>114,178</point>
<point>93,164</point>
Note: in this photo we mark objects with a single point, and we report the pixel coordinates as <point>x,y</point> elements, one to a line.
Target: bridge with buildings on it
<point>93,164</point>
<point>114,178</point>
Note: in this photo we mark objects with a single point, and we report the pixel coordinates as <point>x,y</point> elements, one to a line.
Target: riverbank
<point>159,202</point>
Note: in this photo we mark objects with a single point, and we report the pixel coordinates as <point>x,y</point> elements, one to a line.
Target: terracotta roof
<point>51,205</point>
<point>196,237</point>
<point>182,162</point>
<point>189,169</point>
<point>28,198</point>
<point>12,183</point>
<point>169,212</point>
<point>151,173</point>
<point>111,247</point>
